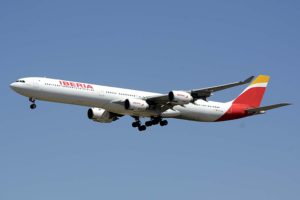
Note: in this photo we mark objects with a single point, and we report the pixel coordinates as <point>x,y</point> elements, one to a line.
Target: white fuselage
<point>110,98</point>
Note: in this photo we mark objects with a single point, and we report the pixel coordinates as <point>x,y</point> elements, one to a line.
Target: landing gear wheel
<point>163,122</point>
<point>148,123</point>
<point>135,124</point>
<point>33,106</point>
<point>155,121</point>
<point>142,128</point>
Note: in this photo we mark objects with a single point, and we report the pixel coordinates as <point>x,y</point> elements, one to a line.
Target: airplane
<point>108,104</point>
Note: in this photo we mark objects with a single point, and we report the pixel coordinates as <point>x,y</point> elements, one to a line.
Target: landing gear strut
<point>33,105</point>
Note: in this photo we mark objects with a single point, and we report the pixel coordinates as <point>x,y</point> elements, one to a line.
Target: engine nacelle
<point>180,97</point>
<point>136,104</point>
<point>100,115</point>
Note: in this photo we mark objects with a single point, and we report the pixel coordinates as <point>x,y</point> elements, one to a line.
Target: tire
<point>164,123</point>
<point>142,128</point>
<point>155,121</point>
<point>148,123</point>
<point>135,124</point>
<point>32,106</point>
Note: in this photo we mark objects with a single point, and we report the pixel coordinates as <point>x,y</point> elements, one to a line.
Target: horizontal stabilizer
<point>262,110</point>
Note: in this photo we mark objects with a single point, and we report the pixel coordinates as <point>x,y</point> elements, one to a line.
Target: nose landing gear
<point>33,105</point>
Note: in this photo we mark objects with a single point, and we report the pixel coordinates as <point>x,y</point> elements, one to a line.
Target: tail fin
<point>254,93</point>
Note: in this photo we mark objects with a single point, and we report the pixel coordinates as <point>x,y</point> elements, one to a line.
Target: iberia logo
<point>75,84</point>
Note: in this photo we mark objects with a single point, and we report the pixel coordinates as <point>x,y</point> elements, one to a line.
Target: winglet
<point>248,80</point>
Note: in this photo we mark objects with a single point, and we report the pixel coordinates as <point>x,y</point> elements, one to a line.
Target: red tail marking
<point>236,111</point>
<point>251,97</point>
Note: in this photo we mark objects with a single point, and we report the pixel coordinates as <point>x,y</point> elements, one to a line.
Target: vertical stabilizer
<point>253,94</point>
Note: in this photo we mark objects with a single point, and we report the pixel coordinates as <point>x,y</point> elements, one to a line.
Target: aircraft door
<point>36,83</point>
<point>101,92</point>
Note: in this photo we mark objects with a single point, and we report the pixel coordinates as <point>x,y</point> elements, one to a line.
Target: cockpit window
<point>21,81</point>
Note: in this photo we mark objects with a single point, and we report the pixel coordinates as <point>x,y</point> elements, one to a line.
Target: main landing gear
<point>33,105</point>
<point>153,121</point>
<point>137,124</point>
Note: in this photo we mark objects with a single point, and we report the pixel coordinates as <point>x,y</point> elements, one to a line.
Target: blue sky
<point>55,152</point>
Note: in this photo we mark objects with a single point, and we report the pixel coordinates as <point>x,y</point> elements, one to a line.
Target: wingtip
<point>248,80</point>
<point>287,104</point>
<point>284,104</point>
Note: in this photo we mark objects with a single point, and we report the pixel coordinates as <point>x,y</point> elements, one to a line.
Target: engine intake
<point>101,115</point>
<point>136,104</point>
<point>180,97</point>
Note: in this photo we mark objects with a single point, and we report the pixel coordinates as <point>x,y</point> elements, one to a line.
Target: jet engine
<point>136,104</point>
<point>180,97</point>
<point>101,115</point>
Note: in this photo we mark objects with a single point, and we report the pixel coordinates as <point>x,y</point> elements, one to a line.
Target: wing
<point>207,92</point>
<point>162,101</point>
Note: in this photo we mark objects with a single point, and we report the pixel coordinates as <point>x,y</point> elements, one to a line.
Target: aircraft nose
<point>13,85</point>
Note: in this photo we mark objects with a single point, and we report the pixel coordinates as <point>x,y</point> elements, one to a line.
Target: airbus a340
<point>108,104</point>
